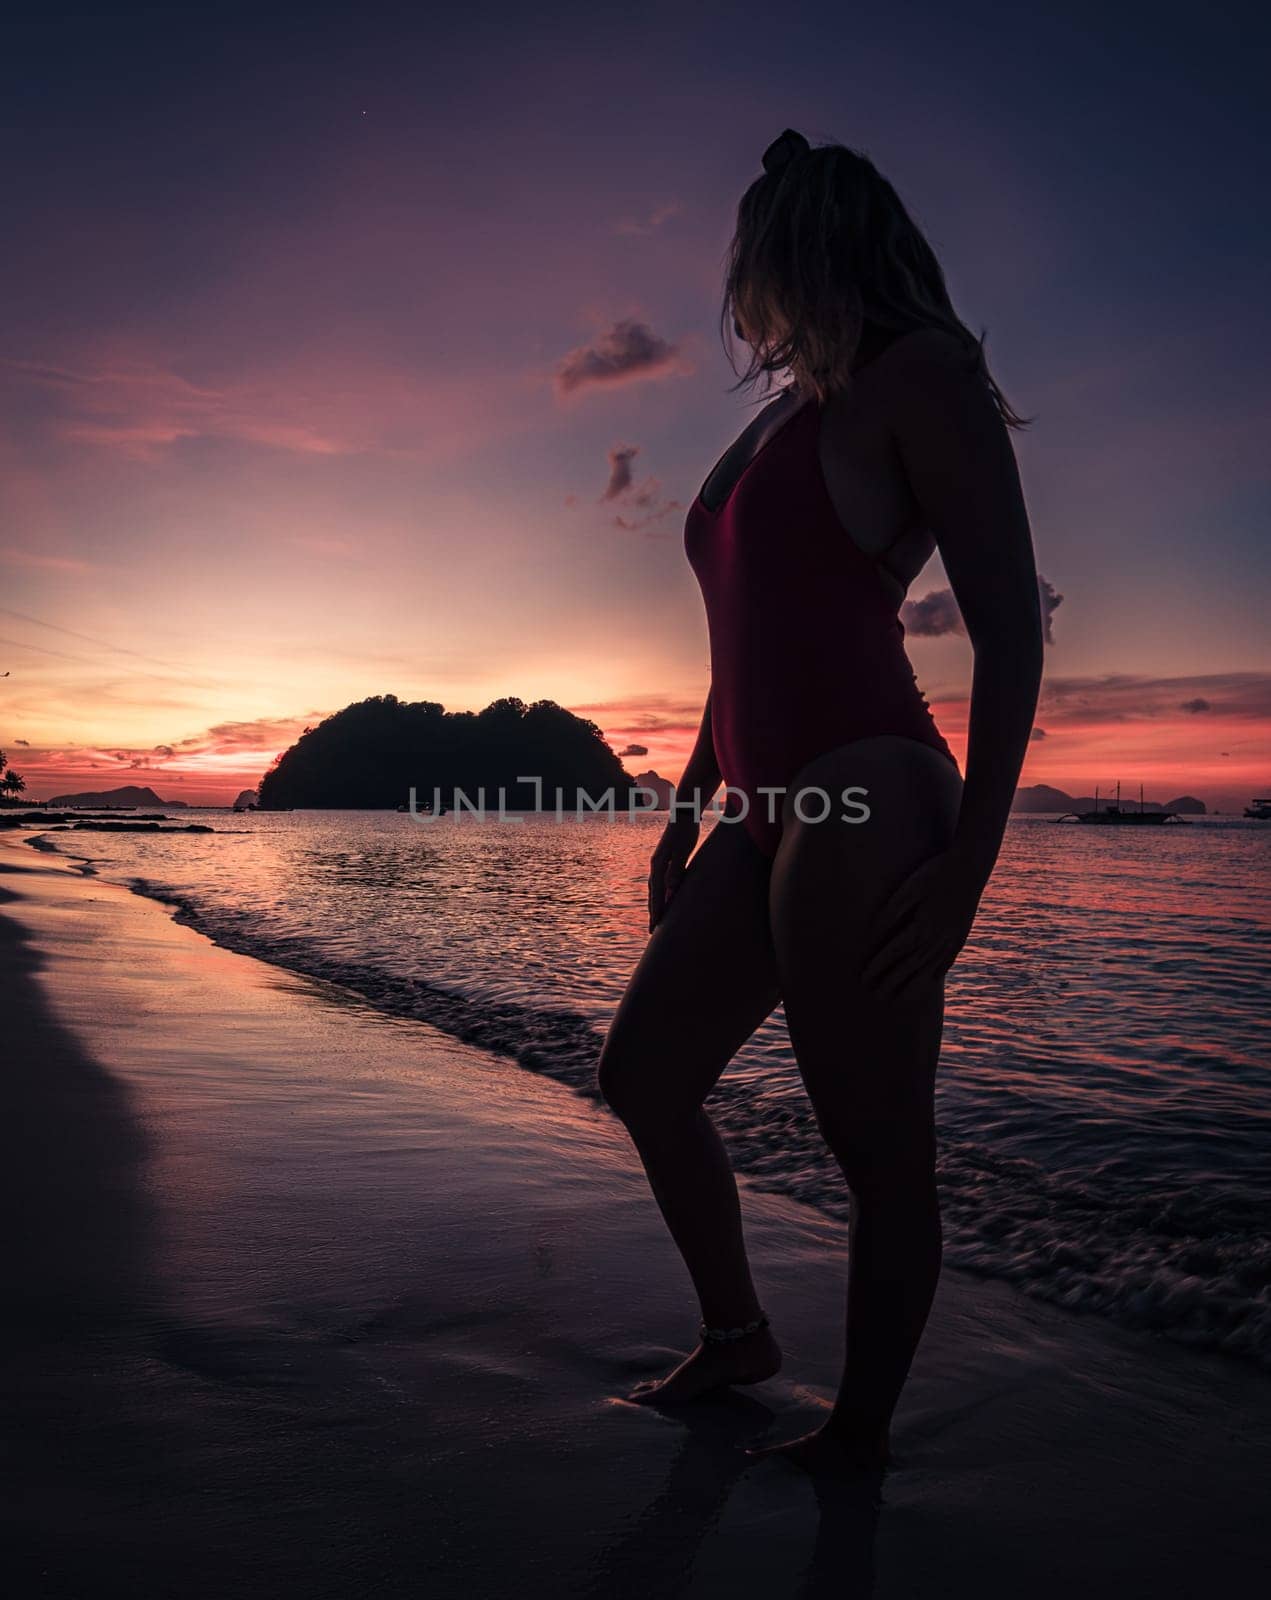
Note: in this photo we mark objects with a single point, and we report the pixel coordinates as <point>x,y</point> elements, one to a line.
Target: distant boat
<point>1259,810</point>
<point>1114,816</point>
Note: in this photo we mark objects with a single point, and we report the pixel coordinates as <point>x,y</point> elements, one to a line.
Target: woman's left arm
<point>958,459</point>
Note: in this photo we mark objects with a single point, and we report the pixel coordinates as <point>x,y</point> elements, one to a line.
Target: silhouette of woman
<point>844,875</point>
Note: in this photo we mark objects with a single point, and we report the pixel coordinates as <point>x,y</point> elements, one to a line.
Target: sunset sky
<point>348,352</point>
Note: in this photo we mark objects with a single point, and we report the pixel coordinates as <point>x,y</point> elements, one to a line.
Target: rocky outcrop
<point>126,798</point>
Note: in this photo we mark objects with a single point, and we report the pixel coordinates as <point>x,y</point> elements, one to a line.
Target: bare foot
<point>713,1366</point>
<point>829,1452</point>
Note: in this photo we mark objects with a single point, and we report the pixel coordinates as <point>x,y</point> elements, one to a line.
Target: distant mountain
<point>371,754</point>
<point>1040,797</point>
<point>659,785</point>
<point>130,795</point>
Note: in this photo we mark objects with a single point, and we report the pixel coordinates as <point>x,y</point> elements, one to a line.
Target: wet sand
<point>307,1300</point>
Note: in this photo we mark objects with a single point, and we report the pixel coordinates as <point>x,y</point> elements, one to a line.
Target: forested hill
<point>372,753</point>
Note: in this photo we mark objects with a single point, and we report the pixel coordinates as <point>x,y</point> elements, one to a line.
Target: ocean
<point>1105,1085</point>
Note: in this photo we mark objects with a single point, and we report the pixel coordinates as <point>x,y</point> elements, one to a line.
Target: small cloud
<point>634,750</point>
<point>645,497</point>
<point>937,613</point>
<point>1051,600</point>
<point>620,459</point>
<point>660,509</point>
<point>627,352</point>
<point>1039,733</point>
<point>163,750</point>
<point>41,560</point>
<point>1197,705</point>
<point>651,223</point>
<point>25,743</point>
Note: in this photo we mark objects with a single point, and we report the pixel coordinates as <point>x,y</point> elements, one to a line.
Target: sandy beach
<point>309,1300</point>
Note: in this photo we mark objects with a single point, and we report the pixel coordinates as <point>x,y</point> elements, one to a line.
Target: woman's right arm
<point>693,794</point>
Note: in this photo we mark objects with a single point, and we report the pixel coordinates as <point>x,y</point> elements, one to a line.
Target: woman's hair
<point>823,240</point>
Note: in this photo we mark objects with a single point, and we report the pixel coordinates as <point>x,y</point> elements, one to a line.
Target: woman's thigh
<point>705,982</point>
<point>868,1062</point>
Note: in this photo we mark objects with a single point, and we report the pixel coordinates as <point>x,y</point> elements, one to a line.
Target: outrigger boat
<point>1114,815</point>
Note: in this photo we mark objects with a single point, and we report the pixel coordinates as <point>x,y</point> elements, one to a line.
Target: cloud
<point>937,613</point>
<point>1039,733</point>
<point>1129,697</point>
<point>656,714</point>
<point>214,764</point>
<point>1050,599</point>
<point>652,222</point>
<point>644,498</point>
<point>627,352</point>
<point>138,405</point>
<point>40,560</point>
<point>260,733</point>
<point>130,399</point>
<point>223,741</point>
<point>620,459</point>
<point>634,750</point>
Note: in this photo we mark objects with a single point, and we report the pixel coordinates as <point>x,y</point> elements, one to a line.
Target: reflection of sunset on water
<point>1102,1083</point>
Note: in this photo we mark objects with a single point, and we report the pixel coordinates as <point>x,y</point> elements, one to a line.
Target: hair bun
<point>783,150</point>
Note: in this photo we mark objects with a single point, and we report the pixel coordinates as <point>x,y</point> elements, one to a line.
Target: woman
<point>889,442</point>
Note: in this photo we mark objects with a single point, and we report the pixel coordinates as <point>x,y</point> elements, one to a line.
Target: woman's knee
<point>615,1078</point>
<point>884,1163</point>
<point>620,1081</point>
<point>642,1097</point>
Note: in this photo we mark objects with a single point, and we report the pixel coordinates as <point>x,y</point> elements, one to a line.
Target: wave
<point>1189,1261</point>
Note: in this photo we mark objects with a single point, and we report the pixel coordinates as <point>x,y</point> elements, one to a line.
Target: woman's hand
<point>924,925</point>
<point>666,868</point>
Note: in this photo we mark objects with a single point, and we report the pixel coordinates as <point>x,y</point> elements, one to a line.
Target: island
<point>1039,798</point>
<point>127,798</point>
<point>370,755</point>
<point>656,784</point>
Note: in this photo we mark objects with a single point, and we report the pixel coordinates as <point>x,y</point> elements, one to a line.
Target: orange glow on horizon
<point>1221,759</point>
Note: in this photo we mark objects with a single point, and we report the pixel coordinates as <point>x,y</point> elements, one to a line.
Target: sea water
<point>1105,1083</point>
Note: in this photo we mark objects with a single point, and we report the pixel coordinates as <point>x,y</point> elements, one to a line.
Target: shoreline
<point>1178,1253</point>
<point>318,1300</point>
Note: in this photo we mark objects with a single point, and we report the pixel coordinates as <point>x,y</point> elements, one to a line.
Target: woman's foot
<point>831,1453</point>
<point>713,1366</point>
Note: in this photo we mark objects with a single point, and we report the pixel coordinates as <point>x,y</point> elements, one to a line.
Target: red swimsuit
<point>807,649</point>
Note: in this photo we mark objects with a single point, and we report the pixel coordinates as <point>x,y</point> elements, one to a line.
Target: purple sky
<point>350,351</point>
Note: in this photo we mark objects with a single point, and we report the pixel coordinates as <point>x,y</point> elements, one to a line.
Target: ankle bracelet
<point>722,1335</point>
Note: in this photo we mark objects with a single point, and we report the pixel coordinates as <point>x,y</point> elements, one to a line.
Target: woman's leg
<point>869,1064</point>
<point>706,980</point>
